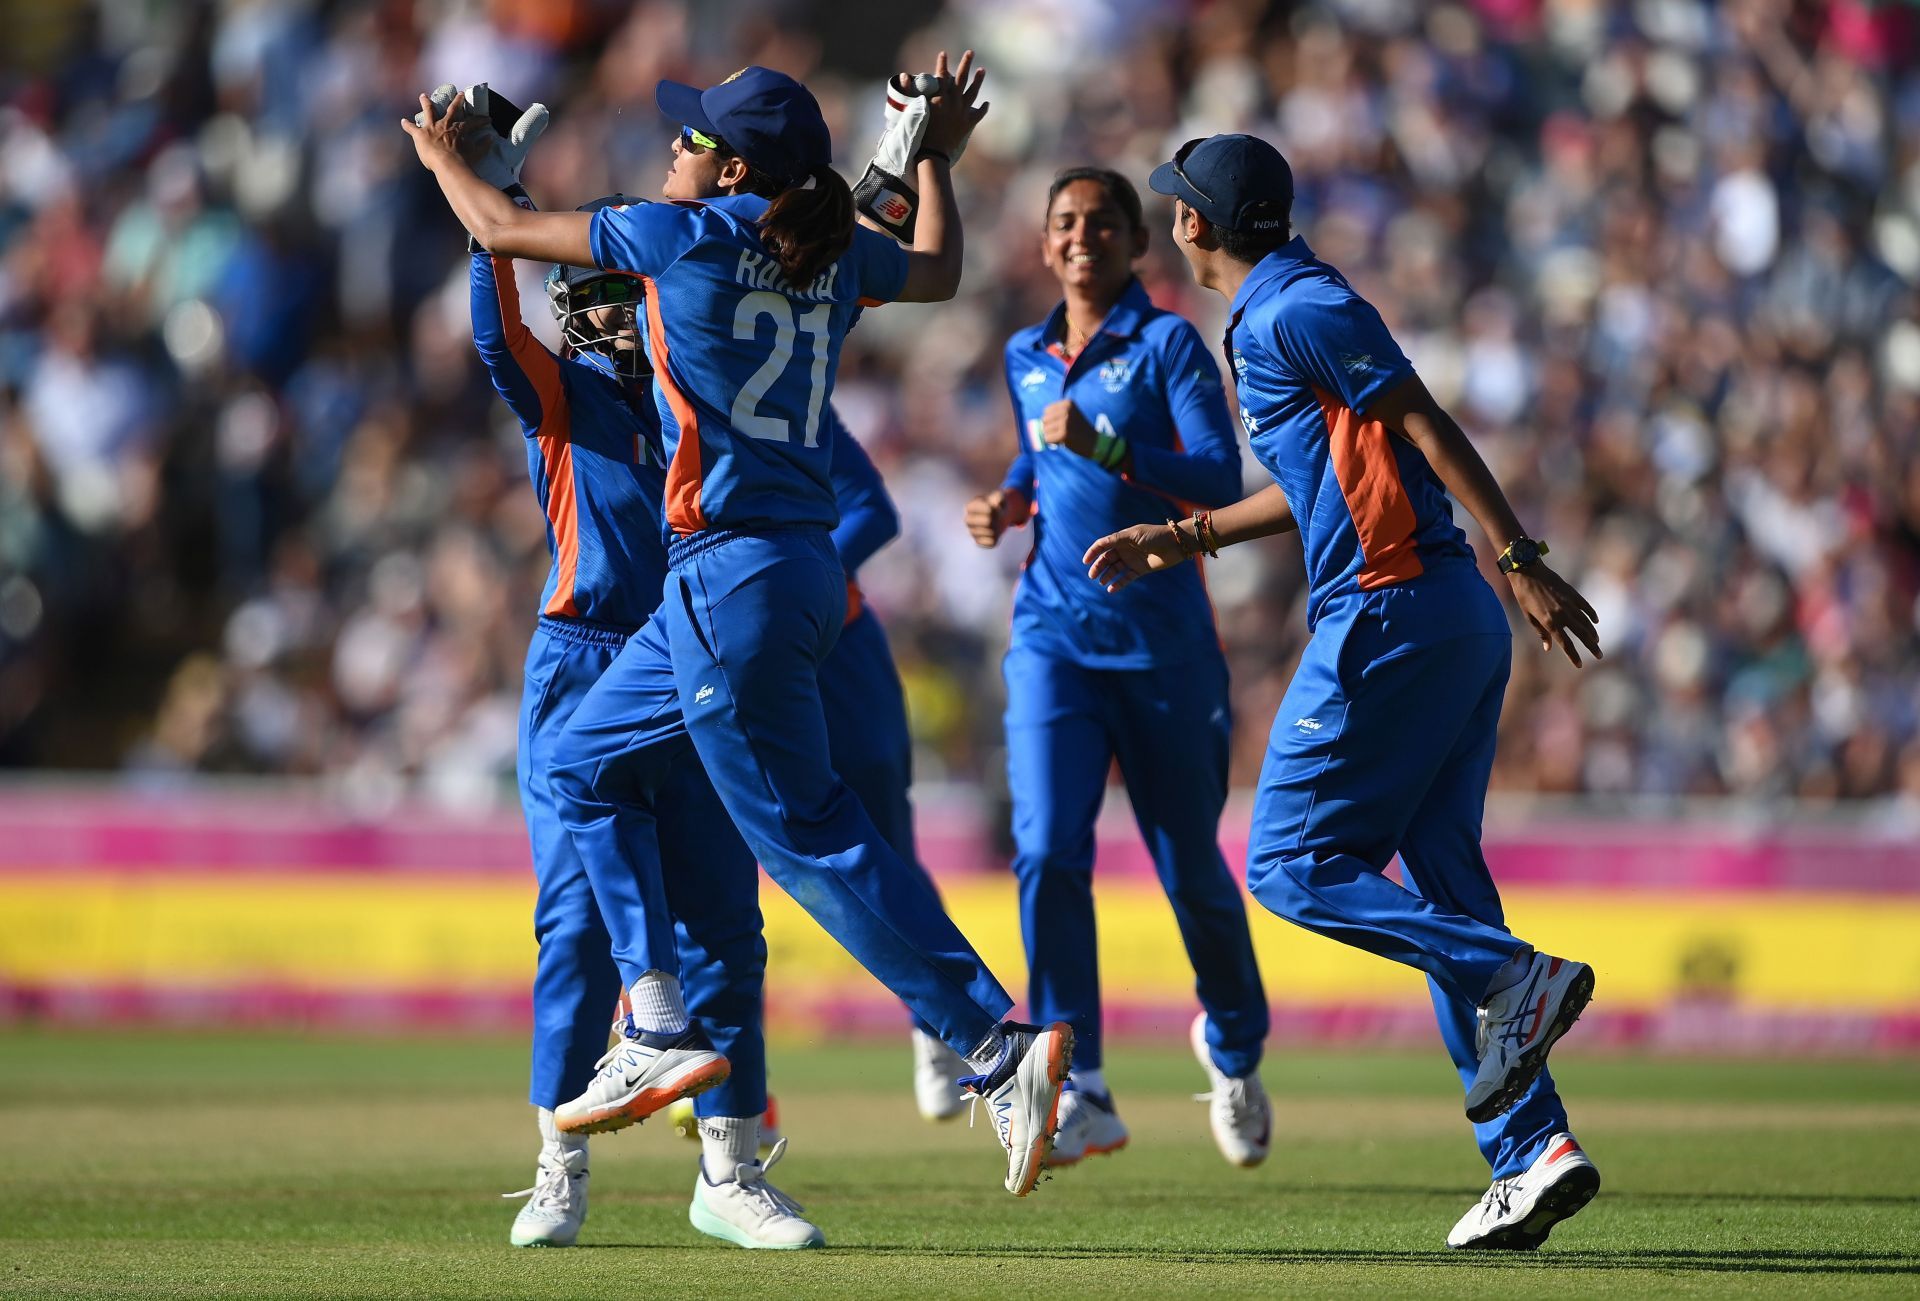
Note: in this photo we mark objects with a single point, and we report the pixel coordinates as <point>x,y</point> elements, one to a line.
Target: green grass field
<point>135,1164</point>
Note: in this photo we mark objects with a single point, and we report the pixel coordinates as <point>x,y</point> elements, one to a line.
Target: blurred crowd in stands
<point>261,512</point>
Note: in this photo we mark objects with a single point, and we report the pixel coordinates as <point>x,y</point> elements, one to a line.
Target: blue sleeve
<point>868,518</point>
<point>882,266</point>
<point>643,238</point>
<point>1019,475</point>
<point>1206,468</point>
<point>1340,344</point>
<point>524,373</point>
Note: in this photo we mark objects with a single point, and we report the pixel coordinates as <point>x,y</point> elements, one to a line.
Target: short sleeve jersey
<point>743,362</point>
<point>1147,377</point>
<point>1310,356</point>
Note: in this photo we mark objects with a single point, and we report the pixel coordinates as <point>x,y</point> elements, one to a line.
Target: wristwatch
<point>1520,553</point>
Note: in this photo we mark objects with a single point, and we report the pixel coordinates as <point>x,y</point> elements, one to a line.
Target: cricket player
<point>752,279</point>
<point>1384,742</point>
<point>1121,419</point>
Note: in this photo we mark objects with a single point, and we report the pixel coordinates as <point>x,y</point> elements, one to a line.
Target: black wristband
<point>934,153</point>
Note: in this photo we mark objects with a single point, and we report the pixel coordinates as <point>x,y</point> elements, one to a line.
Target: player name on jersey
<point>758,271</point>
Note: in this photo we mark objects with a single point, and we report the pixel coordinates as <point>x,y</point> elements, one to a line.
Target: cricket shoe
<point>1022,1093</point>
<point>640,1075</point>
<point>937,1072</point>
<point>556,1204</point>
<point>750,1212</point>
<point>1518,1025</point>
<point>1089,1126</point>
<point>687,1125</point>
<point>1237,1106</point>
<point>1517,1213</point>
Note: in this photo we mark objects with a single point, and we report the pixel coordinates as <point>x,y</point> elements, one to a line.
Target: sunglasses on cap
<point>1180,156</point>
<point>699,142</point>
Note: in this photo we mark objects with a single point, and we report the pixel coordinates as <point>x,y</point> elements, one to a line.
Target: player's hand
<point>1558,613</point>
<point>993,513</point>
<point>1119,558</point>
<point>1062,425</point>
<point>436,130</point>
<point>953,113</point>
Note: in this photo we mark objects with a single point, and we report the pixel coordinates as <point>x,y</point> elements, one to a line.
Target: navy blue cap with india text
<point>1238,182</point>
<point>765,117</point>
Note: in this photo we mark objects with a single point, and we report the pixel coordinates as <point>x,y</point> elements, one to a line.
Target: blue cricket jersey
<point>1146,376</point>
<point>744,363</point>
<point>1308,356</point>
<point>593,452</point>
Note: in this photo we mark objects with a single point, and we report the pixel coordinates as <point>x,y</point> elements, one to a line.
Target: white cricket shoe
<point>1517,1213</point>
<point>1089,1126</point>
<point>556,1204</point>
<point>750,1212</point>
<point>1237,1107</point>
<point>1519,1025</point>
<point>937,1072</point>
<point>640,1075</point>
<point>1022,1093</point>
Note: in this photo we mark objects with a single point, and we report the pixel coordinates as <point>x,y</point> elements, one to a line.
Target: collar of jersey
<point>1123,321</point>
<point>1277,263</point>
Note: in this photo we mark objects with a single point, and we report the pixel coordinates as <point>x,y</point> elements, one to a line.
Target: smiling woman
<point>1121,420</point>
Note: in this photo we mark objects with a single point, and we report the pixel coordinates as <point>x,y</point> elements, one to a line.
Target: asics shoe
<point>750,1212</point>
<point>1517,1213</point>
<point>1089,1126</point>
<point>1518,1025</point>
<point>1022,1094</point>
<point>937,1072</point>
<point>640,1075</point>
<point>1237,1107</point>
<point>556,1204</point>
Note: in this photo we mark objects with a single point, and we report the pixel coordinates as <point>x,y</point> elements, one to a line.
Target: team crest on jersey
<point>1115,374</point>
<point>1033,378</point>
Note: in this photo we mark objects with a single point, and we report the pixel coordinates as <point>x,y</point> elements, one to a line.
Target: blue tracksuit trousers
<point>867,734</point>
<point>731,662</point>
<point>717,931</point>
<point>1384,744</point>
<point>1168,727</point>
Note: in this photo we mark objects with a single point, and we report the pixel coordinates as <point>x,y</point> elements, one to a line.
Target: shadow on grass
<point>1613,1196</point>
<point>1757,1261</point>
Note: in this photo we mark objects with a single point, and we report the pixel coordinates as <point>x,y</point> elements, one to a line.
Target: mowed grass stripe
<point>274,1166</point>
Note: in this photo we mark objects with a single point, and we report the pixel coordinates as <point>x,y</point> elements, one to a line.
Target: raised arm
<point>524,373</point>
<point>1557,612</point>
<point>933,262</point>
<point>495,221</point>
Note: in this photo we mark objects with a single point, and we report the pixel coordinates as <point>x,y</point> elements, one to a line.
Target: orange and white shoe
<point>641,1074</point>
<point>1517,1213</point>
<point>1022,1093</point>
<point>1089,1126</point>
<point>1518,1025</point>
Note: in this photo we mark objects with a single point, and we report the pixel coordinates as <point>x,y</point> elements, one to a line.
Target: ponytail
<point>807,229</point>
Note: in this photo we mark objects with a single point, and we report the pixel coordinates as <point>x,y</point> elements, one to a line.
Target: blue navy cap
<point>764,116</point>
<point>1238,182</point>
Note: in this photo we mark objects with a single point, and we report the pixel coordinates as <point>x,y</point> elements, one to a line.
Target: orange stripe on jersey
<point>856,602</point>
<point>563,516</point>
<point>1369,478</point>
<point>684,472</point>
<point>541,370</point>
